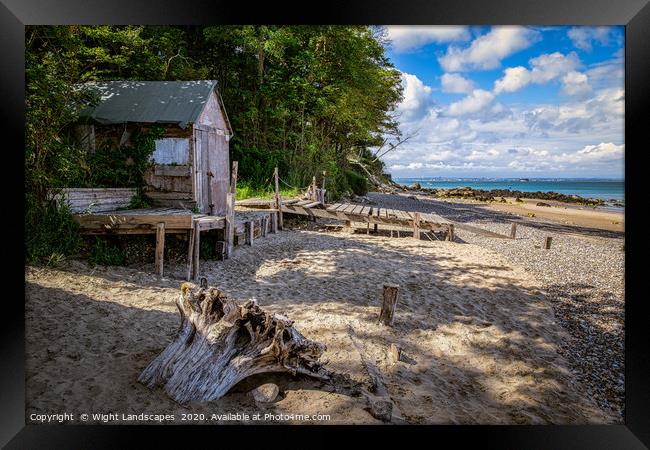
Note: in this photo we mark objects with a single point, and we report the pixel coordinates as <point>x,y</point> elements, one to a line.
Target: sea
<point>610,190</point>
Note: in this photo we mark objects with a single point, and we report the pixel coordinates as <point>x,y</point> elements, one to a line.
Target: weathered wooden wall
<point>213,115</point>
<point>94,199</point>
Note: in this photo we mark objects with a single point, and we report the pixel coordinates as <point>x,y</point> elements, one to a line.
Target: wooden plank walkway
<point>351,212</point>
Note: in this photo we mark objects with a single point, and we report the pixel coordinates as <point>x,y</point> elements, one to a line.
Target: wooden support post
<point>220,249</point>
<point>160,248</point>
<point>513,231</point>
<point>230,212</point>
<point>249,227</point>
<point>314,195</point>
<point>190,254</point>
<point>547,242</point>
<point>348,227</point>
<point>450,233</point>
<point>197,246</point>
<point>278,198</point>
<point>264,220</point>
<point>389,303</point>
<point>368,229</point>
<point>376,228</point>
<point>416,226</point>
<point>274,222</point>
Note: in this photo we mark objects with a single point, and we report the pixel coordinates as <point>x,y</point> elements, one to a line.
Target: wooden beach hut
<point>191,165</point>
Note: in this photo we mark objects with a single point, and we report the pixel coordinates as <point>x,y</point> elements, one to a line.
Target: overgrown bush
<point>50,232</point>
<point>106,253</point>
<point>125,166</point>
<point>356,181</point>
<point>140,200</point>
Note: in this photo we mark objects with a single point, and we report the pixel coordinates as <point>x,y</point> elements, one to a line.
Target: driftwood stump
<point>219,343</point>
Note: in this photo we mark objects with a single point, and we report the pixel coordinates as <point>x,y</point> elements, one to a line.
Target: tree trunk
<point>220,343</point>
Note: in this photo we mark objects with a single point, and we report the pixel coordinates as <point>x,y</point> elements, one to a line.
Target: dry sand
<point>582,216</point>
<point>480,340</point>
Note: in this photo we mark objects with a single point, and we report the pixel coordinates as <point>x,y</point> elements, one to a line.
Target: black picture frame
<point>634,14</point>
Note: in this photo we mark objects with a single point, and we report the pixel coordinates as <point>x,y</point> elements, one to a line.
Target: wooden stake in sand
<point>278,198</point>
<point>513,230</point>
<point>547,242</point>
<point>395,353</point>
<point>221,343</point>
<point>389,303</point>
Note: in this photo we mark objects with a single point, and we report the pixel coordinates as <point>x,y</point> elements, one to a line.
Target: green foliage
<point>123,166</point>
<point>357,182</point>
<point>50,232</point>
<point>208,248</point>
<point>106,253</point>
<point>246,190</point>
<point>140,200</point>
<point>256,165</point>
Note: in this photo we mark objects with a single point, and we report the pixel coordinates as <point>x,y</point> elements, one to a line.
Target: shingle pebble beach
<point>583,277</point>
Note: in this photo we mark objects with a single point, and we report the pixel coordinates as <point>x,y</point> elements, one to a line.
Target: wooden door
<point>220,167</point>
<point>213,170</point>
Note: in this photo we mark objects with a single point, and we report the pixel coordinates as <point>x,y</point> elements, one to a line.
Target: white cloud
<point>473,103</point>
<point>487,51</point>
<point>576,84</point>
<point>610,73</point>
<point>601,153</point>
<point>417,98</point>
<point>545,68</point>
<point>456,84</point>
<point>584,37</point>
<point>514,78</point>
<point>410,37</point>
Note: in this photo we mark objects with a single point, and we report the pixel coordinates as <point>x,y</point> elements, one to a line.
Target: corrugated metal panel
<point>175,102</point>
<point>171,151</point>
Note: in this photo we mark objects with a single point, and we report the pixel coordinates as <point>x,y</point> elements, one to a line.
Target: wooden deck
<point>248,226</point>
<point>143,221</point>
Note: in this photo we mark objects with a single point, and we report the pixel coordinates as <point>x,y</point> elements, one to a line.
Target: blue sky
<point>509,101</point>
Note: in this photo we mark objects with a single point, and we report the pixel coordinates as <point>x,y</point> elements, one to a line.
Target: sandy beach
<point>481,338</point>
<point>582,216</point>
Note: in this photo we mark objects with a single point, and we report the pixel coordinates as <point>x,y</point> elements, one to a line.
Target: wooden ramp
<point>350,212</point>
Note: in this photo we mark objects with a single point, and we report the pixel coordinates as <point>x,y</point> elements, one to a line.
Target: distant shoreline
<point>594,191</point>
<point>462,189</point>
